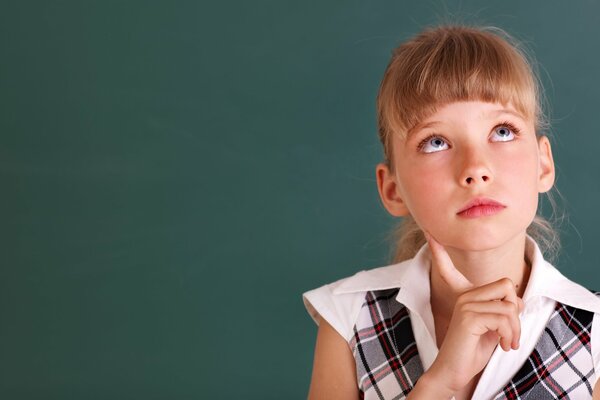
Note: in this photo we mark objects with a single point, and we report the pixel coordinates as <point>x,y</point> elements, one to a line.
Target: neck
<point>480,268</point>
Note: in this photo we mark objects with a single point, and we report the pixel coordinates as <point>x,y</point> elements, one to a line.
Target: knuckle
<point>461,301</point>
<point>463,307</point>
<point>507,283</point>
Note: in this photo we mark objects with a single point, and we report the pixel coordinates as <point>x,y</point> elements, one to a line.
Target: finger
<point>502,289</point>
<point>497,323</point>
<point>499,307</point>
<point>521,304</point>
<point>452,276</point>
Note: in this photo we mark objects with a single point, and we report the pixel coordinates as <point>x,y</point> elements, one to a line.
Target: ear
<point>389,191</point>
<point>546,165</point>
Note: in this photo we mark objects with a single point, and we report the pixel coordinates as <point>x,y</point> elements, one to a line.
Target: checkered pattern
<point>387,361</point>
<point>388,364</point>
<point>561,364</point>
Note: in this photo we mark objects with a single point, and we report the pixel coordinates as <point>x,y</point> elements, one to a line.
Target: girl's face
<point>464,152</point>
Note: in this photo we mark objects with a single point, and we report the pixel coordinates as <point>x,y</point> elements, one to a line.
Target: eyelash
<point>507,124</point>
<point>510,126</point>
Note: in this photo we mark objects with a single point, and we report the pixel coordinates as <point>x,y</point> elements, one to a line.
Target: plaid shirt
<point>388,364</point>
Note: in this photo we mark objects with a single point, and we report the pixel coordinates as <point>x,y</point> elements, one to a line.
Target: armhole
<point>339,310</point>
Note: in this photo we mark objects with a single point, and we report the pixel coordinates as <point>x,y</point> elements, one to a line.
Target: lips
<point>479,207</point>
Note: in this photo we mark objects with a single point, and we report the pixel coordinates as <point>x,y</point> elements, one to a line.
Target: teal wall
<point>175,174</point>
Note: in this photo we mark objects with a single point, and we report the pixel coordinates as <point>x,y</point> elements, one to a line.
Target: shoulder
<point>339,302</point>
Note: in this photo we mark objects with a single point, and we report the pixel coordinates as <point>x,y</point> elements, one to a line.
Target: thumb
<point>452,276</point>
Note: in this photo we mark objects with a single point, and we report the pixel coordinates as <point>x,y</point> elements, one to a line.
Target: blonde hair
<point>457,63</point>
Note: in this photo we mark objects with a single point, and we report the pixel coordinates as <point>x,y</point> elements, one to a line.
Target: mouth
<point>480,207</point>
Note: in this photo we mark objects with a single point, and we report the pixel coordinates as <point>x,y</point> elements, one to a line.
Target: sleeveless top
<point>388,364</point>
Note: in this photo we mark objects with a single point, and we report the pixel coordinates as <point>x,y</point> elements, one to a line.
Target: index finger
<point>452,276</point>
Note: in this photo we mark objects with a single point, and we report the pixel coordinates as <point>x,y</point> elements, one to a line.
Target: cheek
<point>424,189</point>
<point>519,168</point>
<point>518,176</point>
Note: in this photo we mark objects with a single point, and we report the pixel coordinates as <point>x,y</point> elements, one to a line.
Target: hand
<point>482,317</point>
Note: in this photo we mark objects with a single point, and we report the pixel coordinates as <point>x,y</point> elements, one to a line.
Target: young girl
<point>470,309</point>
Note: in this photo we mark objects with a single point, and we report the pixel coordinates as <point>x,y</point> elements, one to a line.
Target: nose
<point>475,169</point>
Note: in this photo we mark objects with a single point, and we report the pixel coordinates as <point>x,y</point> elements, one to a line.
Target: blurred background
<point>176,174</point>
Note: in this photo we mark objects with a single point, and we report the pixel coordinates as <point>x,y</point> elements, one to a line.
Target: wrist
<point>429,387</point>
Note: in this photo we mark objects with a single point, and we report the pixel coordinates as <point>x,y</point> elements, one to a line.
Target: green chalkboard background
<point>174,174</point>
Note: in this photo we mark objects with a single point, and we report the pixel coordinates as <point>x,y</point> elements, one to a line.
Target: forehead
<point>464,112</point>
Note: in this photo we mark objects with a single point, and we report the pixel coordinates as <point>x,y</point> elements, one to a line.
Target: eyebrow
<point>508,111</point>
<point>420,127</point>
<point>429,124</point>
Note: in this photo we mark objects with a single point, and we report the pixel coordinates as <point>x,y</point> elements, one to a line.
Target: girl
<point>470,309</point>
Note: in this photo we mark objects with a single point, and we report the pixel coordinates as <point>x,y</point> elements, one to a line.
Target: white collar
<point>547,281</point>
<point>412,277</point>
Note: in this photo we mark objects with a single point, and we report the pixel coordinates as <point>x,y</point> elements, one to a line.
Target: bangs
<point>451,64</point>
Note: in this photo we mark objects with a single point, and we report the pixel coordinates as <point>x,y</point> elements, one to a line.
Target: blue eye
<point>504,133</point>
<point>433,144</point>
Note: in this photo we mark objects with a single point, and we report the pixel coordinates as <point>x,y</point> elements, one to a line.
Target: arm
<point>334,370</point>
<point>596,395</point>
